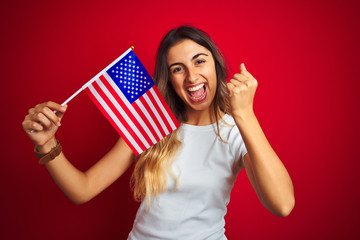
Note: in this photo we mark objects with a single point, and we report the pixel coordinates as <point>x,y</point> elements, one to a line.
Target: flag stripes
<point>99,102</point>
<point>113,91</point>
<point>141,111</point>
<point>160,116</point>
<point>153,113</point>
<point>142,123</point>
<point>124,118</point>
<point>165,108</point>
<point>144,107</point>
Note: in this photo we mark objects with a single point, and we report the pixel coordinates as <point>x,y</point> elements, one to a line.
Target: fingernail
<point>58,124</point>
<point>244,66</point>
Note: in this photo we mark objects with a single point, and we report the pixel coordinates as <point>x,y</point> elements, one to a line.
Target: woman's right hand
<point>42,123</point>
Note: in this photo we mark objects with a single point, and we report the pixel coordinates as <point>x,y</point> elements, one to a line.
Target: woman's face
<point>192,74</point>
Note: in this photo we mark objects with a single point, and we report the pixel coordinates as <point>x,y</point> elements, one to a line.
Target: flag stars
<point>131,77</point>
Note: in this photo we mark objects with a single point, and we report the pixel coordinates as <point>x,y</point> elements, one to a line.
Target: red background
<point>304,54</point>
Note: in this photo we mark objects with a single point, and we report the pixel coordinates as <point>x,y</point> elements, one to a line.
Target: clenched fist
<point>42,122</point>
<point>241,90</point>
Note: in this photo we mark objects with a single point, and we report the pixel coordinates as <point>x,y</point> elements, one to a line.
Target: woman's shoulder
<point>227,124</point>
<point>228,129</point>
<point>227,120</point>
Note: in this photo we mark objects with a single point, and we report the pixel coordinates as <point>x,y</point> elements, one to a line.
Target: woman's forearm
<point>271,178</point>
<point>69,179</point>
<point>80,186</point>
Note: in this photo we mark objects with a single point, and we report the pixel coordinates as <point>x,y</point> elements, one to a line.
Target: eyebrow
<point>194,57</point>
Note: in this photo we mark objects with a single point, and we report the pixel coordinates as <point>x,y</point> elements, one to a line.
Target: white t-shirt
<point>206,168</point>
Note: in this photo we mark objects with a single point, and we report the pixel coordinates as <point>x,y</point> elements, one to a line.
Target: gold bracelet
<point>46,157</point>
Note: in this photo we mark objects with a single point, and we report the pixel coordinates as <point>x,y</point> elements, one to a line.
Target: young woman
<point>184,181</point>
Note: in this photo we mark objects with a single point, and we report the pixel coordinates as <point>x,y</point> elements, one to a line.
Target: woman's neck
<point>201,118</point>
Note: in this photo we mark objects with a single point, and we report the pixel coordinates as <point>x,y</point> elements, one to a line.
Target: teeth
<point>196,87</point>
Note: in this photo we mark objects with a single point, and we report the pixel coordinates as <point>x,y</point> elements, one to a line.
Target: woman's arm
<point>41,125</point>
<point>81,187</point>
<point>265,170</point>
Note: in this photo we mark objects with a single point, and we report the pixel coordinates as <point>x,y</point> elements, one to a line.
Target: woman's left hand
<point>241,90</point>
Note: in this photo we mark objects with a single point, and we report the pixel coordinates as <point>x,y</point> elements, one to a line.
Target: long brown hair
<point>150,173</point>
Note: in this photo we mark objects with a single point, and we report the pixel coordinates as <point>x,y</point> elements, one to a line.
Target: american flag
<point>127,96</point>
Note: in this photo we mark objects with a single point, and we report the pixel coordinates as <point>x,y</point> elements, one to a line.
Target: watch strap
<point>46,157</point>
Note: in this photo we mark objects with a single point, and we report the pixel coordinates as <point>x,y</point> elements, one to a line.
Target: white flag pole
<point>97,76</point>
<point>93,79</point>
<point>72,96</point>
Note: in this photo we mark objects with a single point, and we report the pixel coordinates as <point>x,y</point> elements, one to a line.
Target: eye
<point>177,69</point>
<point>199,61</point>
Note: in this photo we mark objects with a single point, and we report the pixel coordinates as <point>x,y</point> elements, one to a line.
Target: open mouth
<point>197,93</point>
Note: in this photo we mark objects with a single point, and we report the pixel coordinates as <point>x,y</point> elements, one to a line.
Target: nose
<point>193,75</point>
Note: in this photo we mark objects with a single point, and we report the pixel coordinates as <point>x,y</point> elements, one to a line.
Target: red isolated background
<point>304,54</point>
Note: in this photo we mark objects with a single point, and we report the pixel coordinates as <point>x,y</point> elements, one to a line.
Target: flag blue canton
<point>131,77</point>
